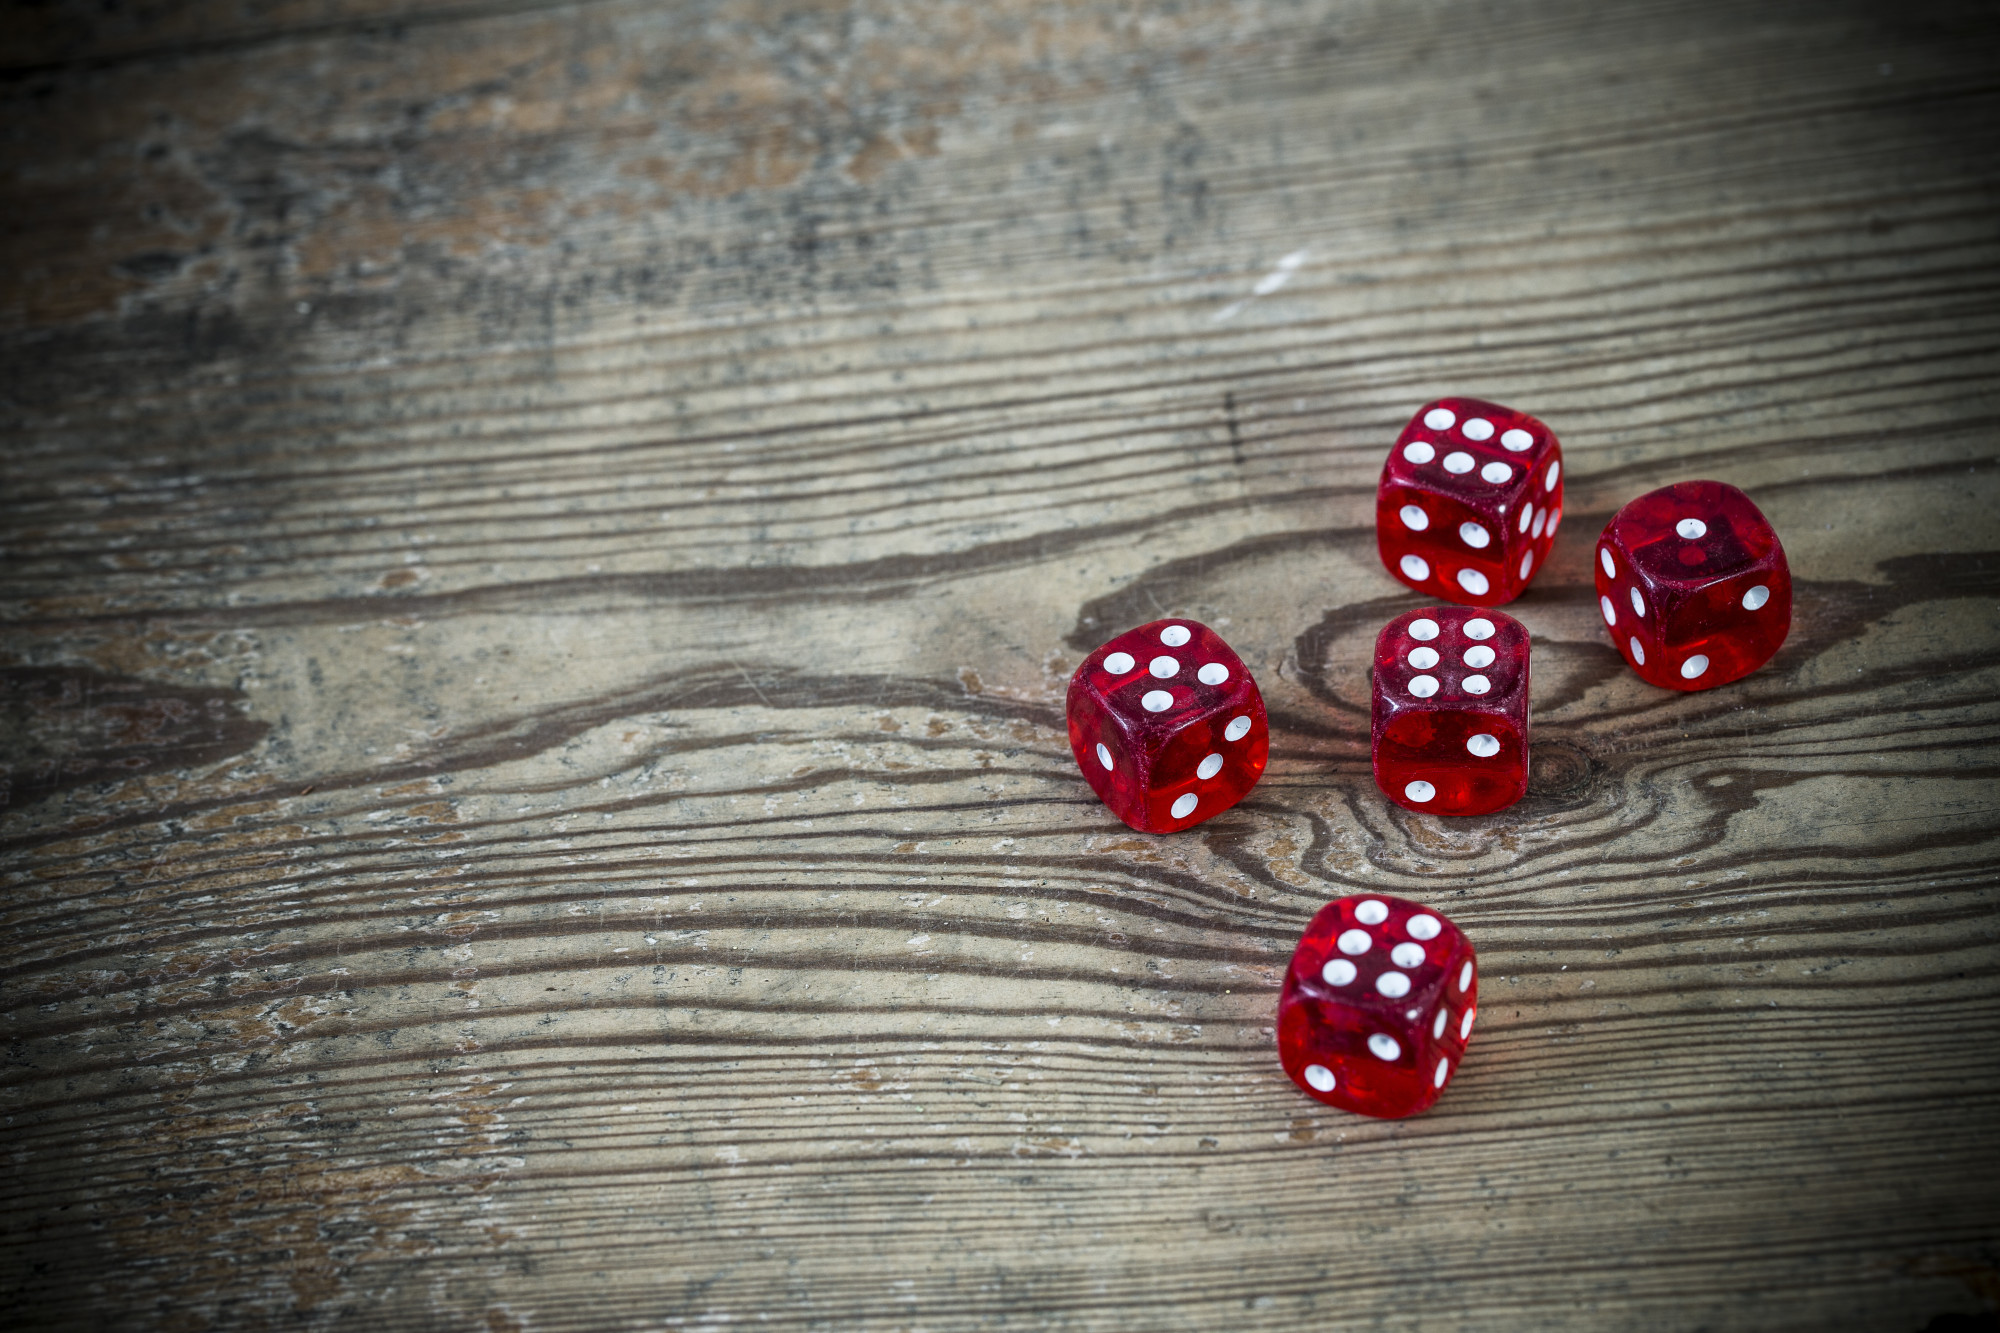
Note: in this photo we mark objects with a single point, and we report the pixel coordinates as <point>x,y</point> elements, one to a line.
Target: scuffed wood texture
<point>543,543</point>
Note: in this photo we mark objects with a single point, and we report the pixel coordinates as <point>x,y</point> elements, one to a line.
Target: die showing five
<point>1167,725</point>
<point>1469,501</point>
<point>1377,1005</point>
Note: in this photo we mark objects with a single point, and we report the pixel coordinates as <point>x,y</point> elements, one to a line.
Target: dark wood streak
<point>65,727</point>
<point>887,577</point>
<point>391,25</point>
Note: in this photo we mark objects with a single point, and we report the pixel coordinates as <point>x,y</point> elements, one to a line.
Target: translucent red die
<point>1167,725</point>
<point>1469,501</point>
<point>1693,585</point>
<point>1450,710</point>
<point>1377,1006</point>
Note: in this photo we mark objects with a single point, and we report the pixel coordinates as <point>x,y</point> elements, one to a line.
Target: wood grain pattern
<point>542,547</point>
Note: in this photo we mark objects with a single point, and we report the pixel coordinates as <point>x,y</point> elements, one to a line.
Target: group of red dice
<point>1169,728</point>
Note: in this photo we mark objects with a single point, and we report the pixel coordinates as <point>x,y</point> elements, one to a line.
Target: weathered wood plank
<point>543,543</point>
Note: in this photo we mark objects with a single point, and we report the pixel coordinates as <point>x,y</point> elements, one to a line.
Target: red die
<point>1377,1006</point>
<point>1167,725</point>
<point>1693,585</point>
<point>1469,501</point>
<point>1450,716</point>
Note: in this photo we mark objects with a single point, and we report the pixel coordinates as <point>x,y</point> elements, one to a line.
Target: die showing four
<point>1167,725</point>
<point>1449,714</point>
<point>1377,1005</point>
<point>1469,501</point>
<point>1693,585</point>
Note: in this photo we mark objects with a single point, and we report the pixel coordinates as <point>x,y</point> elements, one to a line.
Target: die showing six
<point>1167,725</point>
<point>1469,501</point>
<point>1377,1005</point>
<point>1449,713</point>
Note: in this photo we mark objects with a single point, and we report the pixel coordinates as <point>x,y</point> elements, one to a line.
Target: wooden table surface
<point>543,544</point>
